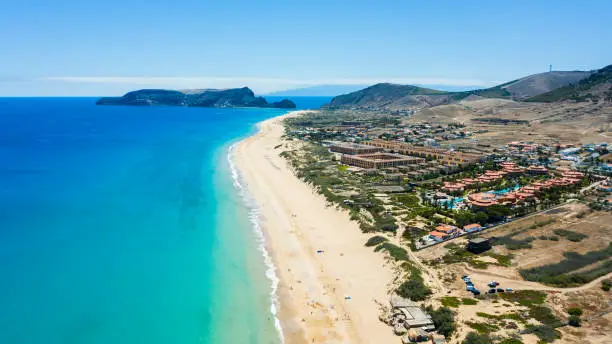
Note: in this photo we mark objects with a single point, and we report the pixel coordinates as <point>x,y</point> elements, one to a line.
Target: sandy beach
<point>325,297</point>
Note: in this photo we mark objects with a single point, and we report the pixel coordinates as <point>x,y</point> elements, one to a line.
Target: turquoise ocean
<point>129,225</point>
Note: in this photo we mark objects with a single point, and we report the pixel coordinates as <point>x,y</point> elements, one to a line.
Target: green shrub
<point>450,301</point>
<point>570,235</point>
<point>469,302</point>
<point>510,341</point>
<point>574,320</point>
<point>444,320</point>
<point>514,244</point>
<point>482,328</point>
<point>545,333</point>
<point>525,297</point>
<point>574,311</point>
<point>606,284</point>
<point>396,252</point>
<point>375,240</point>
<point>366,228</point>
<point>544,315</point>
<point>414,290</point>
<point>408,200</point>
<point>508,316</point>
<point>475,338</point>
<point>503,260</point>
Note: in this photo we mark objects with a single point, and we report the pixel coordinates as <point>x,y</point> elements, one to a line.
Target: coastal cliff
<point>234,97</point>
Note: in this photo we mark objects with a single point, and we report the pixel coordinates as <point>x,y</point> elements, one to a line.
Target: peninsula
<point>219,98</point>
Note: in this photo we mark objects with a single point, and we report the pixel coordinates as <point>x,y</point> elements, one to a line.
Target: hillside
<point>395,97</point>
<point>598,86</point>
<point>236,97</point>
<point>391,96</point>
<point>541,83</point>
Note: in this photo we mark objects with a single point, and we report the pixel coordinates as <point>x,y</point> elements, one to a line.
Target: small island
<point>218,98</point>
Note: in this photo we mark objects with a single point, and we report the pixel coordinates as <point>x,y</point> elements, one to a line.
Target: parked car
<point>500,290</point>
<point>509,289</point>
<point>492,291</point>
<point>475,292</point>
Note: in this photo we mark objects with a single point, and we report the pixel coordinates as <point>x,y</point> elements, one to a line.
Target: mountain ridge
<point>395,97</point>
<point>595,87</point>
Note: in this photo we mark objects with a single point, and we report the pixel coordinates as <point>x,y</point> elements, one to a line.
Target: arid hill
<point>541,83</point>
<point>391,96</point>
<point>598,86</point>
<point>387,96</point>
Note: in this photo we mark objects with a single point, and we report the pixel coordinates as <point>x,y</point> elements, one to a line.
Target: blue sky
<point>70,47</point>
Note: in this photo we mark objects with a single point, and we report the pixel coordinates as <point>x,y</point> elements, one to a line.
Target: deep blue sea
<point>123,225</point>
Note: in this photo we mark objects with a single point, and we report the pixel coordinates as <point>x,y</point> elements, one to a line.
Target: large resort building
<point>379,160</point>
<point>353,148</point>
<point>444,156</point>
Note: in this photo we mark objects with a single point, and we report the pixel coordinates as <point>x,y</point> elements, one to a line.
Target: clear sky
<point>77,47</point>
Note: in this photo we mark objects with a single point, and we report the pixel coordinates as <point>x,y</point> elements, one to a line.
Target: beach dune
<point>330,283</point>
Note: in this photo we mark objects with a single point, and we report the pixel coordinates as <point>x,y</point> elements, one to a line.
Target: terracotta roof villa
<point>482,200</point>
<point>473,227</point>
<point>539,185</point>
<point>531,189</point>
<point>537,170</point>
<point>490,176</point>
<point>573,175</point>
<point>511,167</point>
<point>523,195</point>
<point>508,198</point>
<point>453,187</point>
<point>468,181</point>
<point>448,229</point>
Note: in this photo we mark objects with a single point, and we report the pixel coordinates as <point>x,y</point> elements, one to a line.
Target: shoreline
<point>329,284</point>
<point>255,220</point>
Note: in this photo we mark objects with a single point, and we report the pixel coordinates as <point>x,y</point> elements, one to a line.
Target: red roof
<point>472,226</point>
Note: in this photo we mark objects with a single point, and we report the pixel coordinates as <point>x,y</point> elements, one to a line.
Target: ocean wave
<point>254,218</point>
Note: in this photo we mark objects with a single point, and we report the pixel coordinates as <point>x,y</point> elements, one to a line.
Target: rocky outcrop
<point>227,98</point>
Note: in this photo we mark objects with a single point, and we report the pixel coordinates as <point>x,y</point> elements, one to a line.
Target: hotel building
<point>379,160</point>
<point>353,148</point>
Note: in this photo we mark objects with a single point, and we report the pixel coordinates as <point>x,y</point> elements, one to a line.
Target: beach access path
<point>331,285</point>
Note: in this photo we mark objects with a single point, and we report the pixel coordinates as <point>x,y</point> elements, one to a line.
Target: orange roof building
<point>473,227</point>
<point>438,236</point>
<point>447,229</point>
<point>453,187</point>
<point>537,169</point>
<point>482,200</point>
<point>468,181</point>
